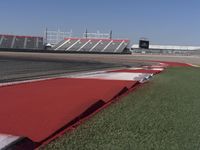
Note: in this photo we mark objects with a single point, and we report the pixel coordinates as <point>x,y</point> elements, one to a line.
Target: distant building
<point>144,47</point>
<point>167,47</point>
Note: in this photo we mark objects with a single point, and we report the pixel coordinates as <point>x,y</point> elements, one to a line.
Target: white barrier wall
<point>169,47</point>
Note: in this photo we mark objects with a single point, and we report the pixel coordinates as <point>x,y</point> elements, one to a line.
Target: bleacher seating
<point>113,46</point>
<point>21,42</point>
<point>100,47</point>
<point>78,44</point>
<point>89,45</point>
<point>30,43</point>
<point>6,41</point>
<point>59,44</point>
<point>92,45</point>
<point>40,43</point>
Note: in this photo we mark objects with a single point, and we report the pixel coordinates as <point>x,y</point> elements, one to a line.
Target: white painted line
<point>119,46</point>
<point>193,65</point>
<point>84,74</point>
<point>163,65</point>
<point>118,76</point>
<point>1,40</point>
<point>13,41</point>
<point>72,45</point>
<point>62,44</point>
<point>147,68</point>
<point>6,140</point>
<point>107,46</point>
<point>135,68</point>
<point>158,69</point>
<point>95,45</point>
<point>84,45</point>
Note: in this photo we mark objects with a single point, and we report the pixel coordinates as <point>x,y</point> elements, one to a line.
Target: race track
<point>105,58</point>
<point>17,66</point>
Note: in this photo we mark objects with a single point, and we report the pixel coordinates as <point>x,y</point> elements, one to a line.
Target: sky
<point>174,22</point>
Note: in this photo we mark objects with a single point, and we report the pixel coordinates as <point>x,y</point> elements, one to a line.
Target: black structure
<point>143,43</point>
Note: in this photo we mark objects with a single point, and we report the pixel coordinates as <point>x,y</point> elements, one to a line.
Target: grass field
<point>163,114</point>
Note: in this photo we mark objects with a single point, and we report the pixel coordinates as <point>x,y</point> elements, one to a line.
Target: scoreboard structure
<point>144,43</point>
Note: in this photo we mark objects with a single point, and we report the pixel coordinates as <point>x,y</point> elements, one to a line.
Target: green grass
<point>164,114</point>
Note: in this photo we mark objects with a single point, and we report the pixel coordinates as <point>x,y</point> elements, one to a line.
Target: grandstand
<point>92,45</point>
<point>58,41</point>
<point>20,42</point>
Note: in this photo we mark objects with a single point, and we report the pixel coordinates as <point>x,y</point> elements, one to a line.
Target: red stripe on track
<point>37,110</point>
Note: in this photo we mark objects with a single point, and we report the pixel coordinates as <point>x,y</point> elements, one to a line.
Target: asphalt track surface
<point>16,69</point>
<point>13,67</point>
<point>17,66</point>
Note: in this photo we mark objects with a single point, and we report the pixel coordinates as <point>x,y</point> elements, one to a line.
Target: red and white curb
<point>6,140</point>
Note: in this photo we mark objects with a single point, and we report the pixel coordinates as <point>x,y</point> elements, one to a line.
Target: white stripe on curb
<point>6,140</point>
<point>126,76</point>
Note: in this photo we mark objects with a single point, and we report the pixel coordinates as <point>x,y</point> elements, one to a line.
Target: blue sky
<point>162,21</point>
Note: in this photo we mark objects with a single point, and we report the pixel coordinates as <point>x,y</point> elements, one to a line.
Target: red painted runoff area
<point>39,109</point>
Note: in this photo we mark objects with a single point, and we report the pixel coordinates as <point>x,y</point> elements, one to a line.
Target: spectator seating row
<point>21,42</point>
<point>92,45</point>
